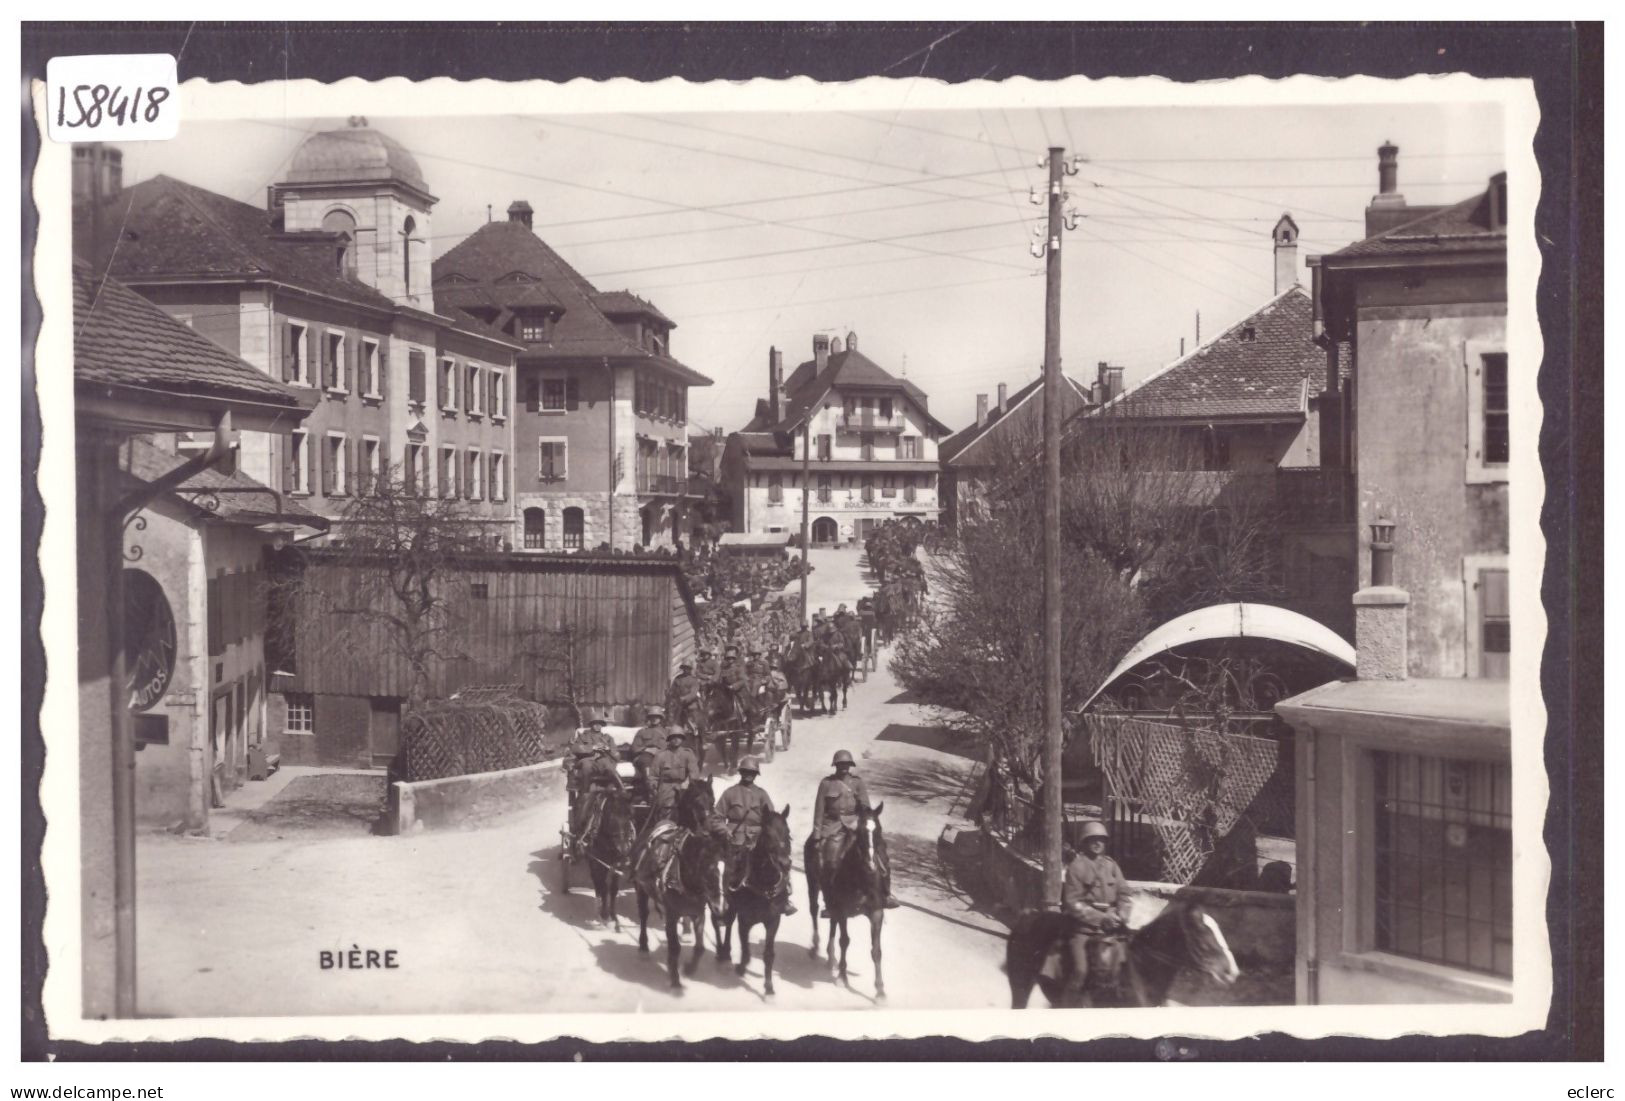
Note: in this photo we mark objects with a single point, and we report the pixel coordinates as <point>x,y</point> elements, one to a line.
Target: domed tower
<point>363,183</point>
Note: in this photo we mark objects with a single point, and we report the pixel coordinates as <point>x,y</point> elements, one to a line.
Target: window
<point>474,479</point>
<point>1248,334</point>
<point>474,395</point>
<point>868,447</point>
<point>908,447</point>
<point>499,393</point>
<point>555,394</point>
<point>1215,451</point>
<point>888,485</point>
<point>908,488</point>
<point>416,383</point>
<point>1489,442</point>
<point>368,474</point>
<point>301,713</point>
<point>295,354</point>
<point>1494,624</point>
<point>825,444</point>
<point>849,407</point>
<point>499,476</point>
<point>885,409</point>
<point>775,488</point>
<point>1442,887</point>
<point>533,329</point>
<point>535,529</point>
<point>552,458</point>
<point>448,472</point>
<point>333,366</point>
<point>574,528</point>
<point>447,380</point>
<point>868,488</point>
<point>335,467</point>
<point>369,368</point>
<point>340,223</point>
<point>416,472</point>
<point>824,493</point>
<point>299,461</point>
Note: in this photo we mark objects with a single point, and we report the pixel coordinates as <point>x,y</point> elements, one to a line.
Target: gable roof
<point>1269,375</point>
<point>163,227</point>
<point>956,445</point>
<point>1463,227</point>
<point>121,339</point>
<point>806,386</point>
<point>581,330</point>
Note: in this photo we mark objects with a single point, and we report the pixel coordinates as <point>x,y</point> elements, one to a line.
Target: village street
<point>479,924</point>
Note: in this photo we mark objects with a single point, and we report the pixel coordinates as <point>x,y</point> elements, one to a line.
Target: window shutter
<point>408,479</point>
<point>533,394</point>
<point>351,481</point>
<point>288,372</point>
<point>324,464</point>
<point>440,394</point>
<point>288,442</point>
<point>351,347</point>
<point>383,369</point>
<point>572,394</point>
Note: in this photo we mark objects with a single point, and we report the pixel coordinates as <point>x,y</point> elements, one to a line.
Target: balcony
<point>870,422</point>
<point>662,485</point>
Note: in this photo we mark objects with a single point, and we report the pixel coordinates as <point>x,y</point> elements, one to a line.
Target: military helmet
<point>704,653</point>
<point>732,651</point>
<point>1094,829</point>
<point>655,712</point>
<point>842,757</point>
<point>597,720</point>
<point>842,608</point>
<point>675,732</point>
<point>751,764</point>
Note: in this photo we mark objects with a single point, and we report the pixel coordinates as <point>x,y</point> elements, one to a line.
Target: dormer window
<point>1249,334</point>
<point>533,329</point>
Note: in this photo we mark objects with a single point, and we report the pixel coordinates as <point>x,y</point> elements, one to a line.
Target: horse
<point>1184,937</point>
<point>831,676</point>
<point>606,838</point>
<point>885,615</point>
<point>854,887</point>
<point>754,901</point>
<point>680,865</point>
<point>799,662</point>
<point>728,718</point>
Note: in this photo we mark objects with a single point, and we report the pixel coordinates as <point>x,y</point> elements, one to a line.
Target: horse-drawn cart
<point>571,848</point>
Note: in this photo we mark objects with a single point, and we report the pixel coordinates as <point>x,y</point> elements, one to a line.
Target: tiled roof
<point>954,445</point>
<point>163,227</point>
<point>121,339</point>
<point>149,462</point>
<point>1464,227</point>
<point>625,302</point>
<point>807,385</point>
<point>499,249</point>
<point>1268,373</point>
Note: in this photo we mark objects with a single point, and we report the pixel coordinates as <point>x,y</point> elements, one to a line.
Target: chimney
<point>1388,174</point>
<point>519,211</point>
<point>1097,393</point>
<point>981,410</point>
<point>1002,409</point>
<point>821,350</point>
<point>1286,253</point>
<point>1380,614</point>
<point>835,346</point>
<point>852,338</point>
<point>1498,201</point>
<point>1110,381</point>
<point>775,384</point>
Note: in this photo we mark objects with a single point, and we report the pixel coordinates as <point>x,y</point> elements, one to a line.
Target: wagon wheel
<point>564,861</point>
<point>786,718</point>
<point>770,735</point>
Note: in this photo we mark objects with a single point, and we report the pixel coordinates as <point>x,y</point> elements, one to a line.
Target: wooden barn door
<point>384,729</point>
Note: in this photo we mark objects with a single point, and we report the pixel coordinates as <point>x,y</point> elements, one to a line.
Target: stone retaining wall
<point>458,801</point>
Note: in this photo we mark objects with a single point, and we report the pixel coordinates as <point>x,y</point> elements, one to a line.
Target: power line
<point>866,296</point>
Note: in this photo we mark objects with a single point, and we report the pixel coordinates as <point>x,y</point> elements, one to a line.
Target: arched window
<point>406,250</point>
<point>340,222</point>
<point>535,529</point>
<point>574,528</point>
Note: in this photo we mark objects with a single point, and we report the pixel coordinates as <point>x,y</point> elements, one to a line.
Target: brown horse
<point>755,900</point>
<point>853,886</point>
<point>606,839</point>
<point>680,867</point>
<point>831,676</point>
<point>1184,937</point>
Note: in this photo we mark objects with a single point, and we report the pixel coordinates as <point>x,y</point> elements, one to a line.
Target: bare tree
<point>556,654</point>
<point>386,577</point>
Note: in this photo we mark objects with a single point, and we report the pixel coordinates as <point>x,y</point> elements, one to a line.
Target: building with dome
<point>327,288</point>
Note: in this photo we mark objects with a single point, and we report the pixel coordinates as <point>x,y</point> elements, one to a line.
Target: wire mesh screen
<point>1194,788</point>
<point>483,729</point>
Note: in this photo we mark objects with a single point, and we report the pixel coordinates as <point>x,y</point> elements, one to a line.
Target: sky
<point>912,228</point>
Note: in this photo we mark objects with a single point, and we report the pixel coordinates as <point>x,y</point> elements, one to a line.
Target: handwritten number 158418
<point>92,101</point>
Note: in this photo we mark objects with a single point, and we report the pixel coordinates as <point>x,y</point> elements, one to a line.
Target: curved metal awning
<point>1234,621</point>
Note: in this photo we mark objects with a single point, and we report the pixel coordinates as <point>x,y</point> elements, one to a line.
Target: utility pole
<point>1053,816</point>
<point>806,499</point>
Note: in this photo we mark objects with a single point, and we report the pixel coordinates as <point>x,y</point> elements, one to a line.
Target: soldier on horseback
<point>673,769</point>
<point>705,670</point>
<point>647,742</point>
<point>739,814</point>
<point>1097,897</point>
<point>683,697</point>
<point>839,797</point>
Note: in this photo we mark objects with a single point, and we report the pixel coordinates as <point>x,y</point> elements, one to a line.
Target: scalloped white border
<point>445,97</point>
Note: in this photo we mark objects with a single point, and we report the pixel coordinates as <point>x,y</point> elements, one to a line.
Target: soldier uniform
<point>647,742</point>
<point>740,813</point>
<point>684,695</point>
<point>839,798</point>
<point>672,769</point>
<point>1097,895</point>
<point>705,670</point>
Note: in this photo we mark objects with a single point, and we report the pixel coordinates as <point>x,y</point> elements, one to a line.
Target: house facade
<point>1012,428</point>
<point>873,449</point>
<point>137,372</point>
<point>327,288</point>
<point>1405,862</point>
<point>600,414</point>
